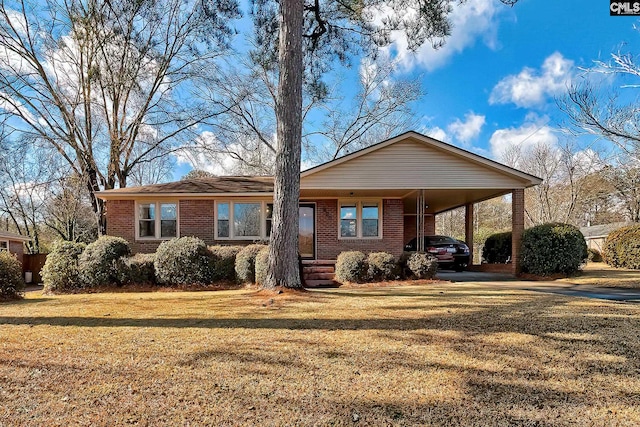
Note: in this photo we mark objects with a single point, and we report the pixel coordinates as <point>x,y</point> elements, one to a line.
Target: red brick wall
<point>410,226</point>
<point>196,218</point>
<point>329,246</point>
<point>517,227</point>
<point>17,248</point>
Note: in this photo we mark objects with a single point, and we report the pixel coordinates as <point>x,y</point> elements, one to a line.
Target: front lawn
<point>438,354</point>
<point>600,274</point>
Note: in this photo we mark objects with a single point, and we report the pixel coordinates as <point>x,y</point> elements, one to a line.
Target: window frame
<point>359,220</point>
<point>8,245</point>
<point>232,203</point>
<point>157,220</point>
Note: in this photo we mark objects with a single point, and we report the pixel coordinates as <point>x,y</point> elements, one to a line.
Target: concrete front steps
<point>318,273</point>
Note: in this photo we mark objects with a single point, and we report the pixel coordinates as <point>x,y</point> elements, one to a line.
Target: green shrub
<point>61,272</point>
<point>246,263</point>
<point>497,248</point>
<point>594,255</point>
<point>224,262</point>
<point>183,261</point>
<point>421,265</point>
<point>552,249</point>
<point>140,269</point>
<point>11,283</point>
<point>351,266</point>
<point>622,247</point>
<point>262,265</point>
<point>382,266</point>
<point>102,262</point>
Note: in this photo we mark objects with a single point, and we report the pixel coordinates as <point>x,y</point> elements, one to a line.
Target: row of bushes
<point>560,248</point>
<point>184,261</point>
<point>547,249</point>
<point>356,267</point>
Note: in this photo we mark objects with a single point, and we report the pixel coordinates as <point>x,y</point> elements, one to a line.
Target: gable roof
<point>602,230</point>
<point>6,235</point>
<point>443,147</point>
<point>421,162</point>
<point>247,185</point>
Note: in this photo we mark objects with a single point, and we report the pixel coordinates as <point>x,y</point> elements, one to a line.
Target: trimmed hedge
<point>140,269</point>
<point>61,271</point>
<point>497,248</point>
<point>102,262</point>
<point>351,266</point>
<point>224,262</point>
<point>552,249</point>
<point>262,265</point>
<point>183,261</point>
<point>246,263</point>
<point>594,255</point>
<point>382,266</point>
<point>622,247</point>
<point>421,265</point>
<point>11,283</point>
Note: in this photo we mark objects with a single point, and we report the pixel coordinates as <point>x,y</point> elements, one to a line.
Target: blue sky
<point>494,82</point>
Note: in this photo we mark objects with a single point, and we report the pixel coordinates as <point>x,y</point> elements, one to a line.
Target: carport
<point>423,175</point>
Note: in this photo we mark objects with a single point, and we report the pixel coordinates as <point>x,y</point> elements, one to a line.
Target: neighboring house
<point>375,199</point>
<point>13,243</point>
<point>595,235</point>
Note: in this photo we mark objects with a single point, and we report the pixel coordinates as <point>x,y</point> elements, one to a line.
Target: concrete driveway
<point>500,280</point>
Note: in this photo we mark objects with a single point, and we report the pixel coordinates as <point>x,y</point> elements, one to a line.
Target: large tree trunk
<point>283,248</point>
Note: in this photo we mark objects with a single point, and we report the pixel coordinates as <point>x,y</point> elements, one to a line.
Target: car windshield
<point>439,240</point>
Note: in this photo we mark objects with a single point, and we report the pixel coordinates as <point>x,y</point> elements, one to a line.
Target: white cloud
<point>468,130</point>
<point>473,20</point>
<point>532,87</point>
<point>534,132</point>
<point>436,133</point>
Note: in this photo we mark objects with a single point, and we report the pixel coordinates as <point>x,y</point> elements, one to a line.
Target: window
<point>269,218</point>
<point>168,220</point>
<point>4,245</point>
<point>370,214</point>
<point>223,220</point>
<point>360,220</point>
<point>154,226</point>
<point>243,220</point>
<point>349,220</point>
<point>246,219</point>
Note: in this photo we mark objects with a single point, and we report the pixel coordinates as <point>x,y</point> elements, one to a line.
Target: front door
<point>307,233</point>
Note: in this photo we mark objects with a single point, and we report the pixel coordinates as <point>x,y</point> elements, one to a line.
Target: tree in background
<point>109,85</point>
<point>604,111</point>
<point>245,135</point>
<point>562,169</point>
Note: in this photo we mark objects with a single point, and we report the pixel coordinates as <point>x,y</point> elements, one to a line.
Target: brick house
<point>375,199</point>
<point>13,243</point>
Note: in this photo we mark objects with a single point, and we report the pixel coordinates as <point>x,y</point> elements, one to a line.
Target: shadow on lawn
<point>481,317</point>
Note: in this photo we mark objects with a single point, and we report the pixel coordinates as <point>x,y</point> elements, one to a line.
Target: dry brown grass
<point>600,274</point>
<point>438,354</point>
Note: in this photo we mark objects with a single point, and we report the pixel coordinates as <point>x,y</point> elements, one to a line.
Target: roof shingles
<point>219,184</point>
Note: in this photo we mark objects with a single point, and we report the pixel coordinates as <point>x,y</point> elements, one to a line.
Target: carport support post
<point>468,229</point>
<point>517,227</point>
